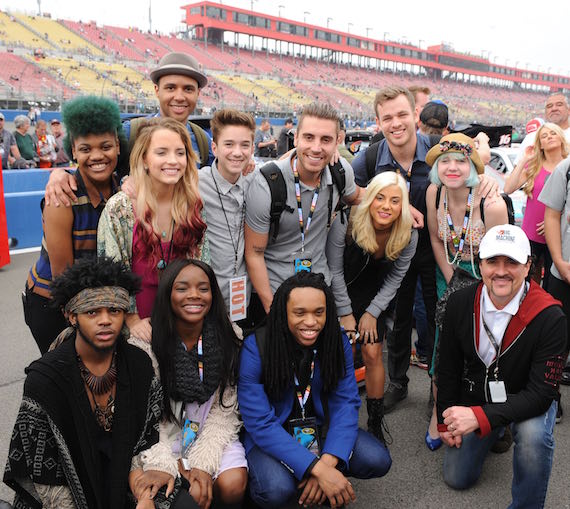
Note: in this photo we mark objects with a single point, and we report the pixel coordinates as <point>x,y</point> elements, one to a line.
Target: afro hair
<point>91,273</point>
<point>91,114</point>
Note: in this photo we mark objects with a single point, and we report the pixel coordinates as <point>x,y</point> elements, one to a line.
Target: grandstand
<point>59,35</point>
<point>14,34</point>
<point>51,60</point>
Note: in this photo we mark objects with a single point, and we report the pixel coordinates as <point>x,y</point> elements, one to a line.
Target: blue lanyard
<point>302,398</point>
<point>304,229</point>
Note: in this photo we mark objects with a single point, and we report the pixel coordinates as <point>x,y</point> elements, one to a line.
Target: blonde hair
<point>363,231</point>
<point>186,203</point>
<point>537,160</point>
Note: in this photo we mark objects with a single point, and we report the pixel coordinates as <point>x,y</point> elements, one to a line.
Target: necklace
<point>163,263</point>
<point>459,243</point>
<point>101,385</point>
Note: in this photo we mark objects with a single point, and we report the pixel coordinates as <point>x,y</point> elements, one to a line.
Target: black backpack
<point>371,155</point>
<point>506,197</point>
<point>278,190</point>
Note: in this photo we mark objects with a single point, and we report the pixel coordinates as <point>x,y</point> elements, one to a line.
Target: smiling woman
<point>163,221</point>
<point>69,232</point>
<point>369,256</point>
<point>195,353</point>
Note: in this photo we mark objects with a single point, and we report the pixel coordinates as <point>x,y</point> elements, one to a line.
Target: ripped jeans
<point>532,459</point>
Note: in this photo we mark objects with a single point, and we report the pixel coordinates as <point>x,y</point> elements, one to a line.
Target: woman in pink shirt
<point>540,159</point>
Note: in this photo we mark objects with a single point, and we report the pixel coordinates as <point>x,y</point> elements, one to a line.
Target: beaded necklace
<point>99,385</point>
<point>459,242</point>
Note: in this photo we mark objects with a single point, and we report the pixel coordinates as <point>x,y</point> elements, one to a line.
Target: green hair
<point>92,114</point>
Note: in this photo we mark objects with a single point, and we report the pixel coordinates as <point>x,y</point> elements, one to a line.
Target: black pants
<point>561,290</point>
<point>399,340</point>
<point>539,251</point>
<point>44,321</point>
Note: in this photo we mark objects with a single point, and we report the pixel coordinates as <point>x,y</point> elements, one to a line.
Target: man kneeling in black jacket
<point>501,357</point>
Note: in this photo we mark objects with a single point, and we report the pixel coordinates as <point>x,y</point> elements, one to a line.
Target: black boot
<point>376,424</point>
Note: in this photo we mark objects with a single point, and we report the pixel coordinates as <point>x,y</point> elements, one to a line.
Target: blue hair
<point>472,180</point>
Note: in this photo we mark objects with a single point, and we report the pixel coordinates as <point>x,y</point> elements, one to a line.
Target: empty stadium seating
<point>89,58</point>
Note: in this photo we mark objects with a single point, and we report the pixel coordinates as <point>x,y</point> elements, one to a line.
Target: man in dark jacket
<point>500,365</point>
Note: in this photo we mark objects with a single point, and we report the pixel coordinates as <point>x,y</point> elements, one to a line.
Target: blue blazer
<point>264,418</point>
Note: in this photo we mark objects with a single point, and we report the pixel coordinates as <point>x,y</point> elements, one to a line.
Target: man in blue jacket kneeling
<point>299,402</point>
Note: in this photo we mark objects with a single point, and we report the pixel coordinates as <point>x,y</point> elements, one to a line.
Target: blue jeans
<point>532,459</point>
<point>272,485</point>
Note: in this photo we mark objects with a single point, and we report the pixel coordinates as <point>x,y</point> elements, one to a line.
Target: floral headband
<point>457,146</point>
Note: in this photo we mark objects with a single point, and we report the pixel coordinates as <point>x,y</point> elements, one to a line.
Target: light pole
<point>386,34</point>
<point>280,7</point>
<point>349,25</point>
<point>328,19</point>
<point>367,30</point>
<point>305,14</point>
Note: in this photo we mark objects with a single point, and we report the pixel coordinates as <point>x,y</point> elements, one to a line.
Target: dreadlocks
<point>278,360</point>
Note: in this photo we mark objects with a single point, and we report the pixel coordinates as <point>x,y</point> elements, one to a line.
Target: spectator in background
<point>342,150</point>
<point>434,118</point>
<point>58,135</point>
<point>283,140</point>
<point>265,143</point>
<point>45,145</point>
<point>421,97</point>
<point>550,148</point>
<point>25,141</point>
<point>556,111</point>
<point>9,152</point>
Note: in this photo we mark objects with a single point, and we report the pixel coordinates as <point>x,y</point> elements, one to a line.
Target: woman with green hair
<point>94,141</point>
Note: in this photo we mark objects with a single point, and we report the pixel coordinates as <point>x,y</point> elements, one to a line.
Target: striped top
<point>84,235</point>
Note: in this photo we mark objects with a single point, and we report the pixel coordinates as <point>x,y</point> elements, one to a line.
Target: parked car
<point>500,167</point>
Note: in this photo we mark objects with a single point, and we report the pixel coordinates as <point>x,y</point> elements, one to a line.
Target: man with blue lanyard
<point>310,198</point>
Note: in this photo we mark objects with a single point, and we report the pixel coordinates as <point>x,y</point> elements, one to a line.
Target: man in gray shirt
<point>265,143</point>
<point>306,169</point>
<point>222,189</point>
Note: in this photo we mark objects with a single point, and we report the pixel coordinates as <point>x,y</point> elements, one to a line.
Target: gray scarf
<point>189,388</point>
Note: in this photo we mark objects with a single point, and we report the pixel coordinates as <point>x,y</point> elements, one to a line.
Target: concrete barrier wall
<point>23,193</point>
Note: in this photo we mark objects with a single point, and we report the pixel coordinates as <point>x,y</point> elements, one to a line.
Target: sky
<point>509,32</point>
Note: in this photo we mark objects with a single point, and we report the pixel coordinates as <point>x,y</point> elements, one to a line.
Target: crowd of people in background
<point>200,319</point>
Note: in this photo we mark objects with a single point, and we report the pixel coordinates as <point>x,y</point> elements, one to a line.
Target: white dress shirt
<point>497,320</point>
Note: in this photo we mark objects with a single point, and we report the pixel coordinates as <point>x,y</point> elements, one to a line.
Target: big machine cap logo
<point>504,235</point>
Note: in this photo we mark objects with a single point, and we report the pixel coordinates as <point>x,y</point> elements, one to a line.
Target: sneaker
<point>419,361</point>
<point>393,395</point>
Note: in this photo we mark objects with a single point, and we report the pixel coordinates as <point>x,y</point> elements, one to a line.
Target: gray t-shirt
<point>225,232</point>
<point>336,243</point>
<point>279,254</point>
<point>7,141</point>
<point>554,195</point>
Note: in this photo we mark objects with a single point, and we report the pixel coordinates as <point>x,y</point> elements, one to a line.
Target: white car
<point>500,167</point>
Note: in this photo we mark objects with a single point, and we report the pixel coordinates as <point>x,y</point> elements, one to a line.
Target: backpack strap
<point>135,124</point>
<point>338,175</point>
<point>370,157</point>
<point>202,141</point>
<point>278,190</point>
<point>437,197</point>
